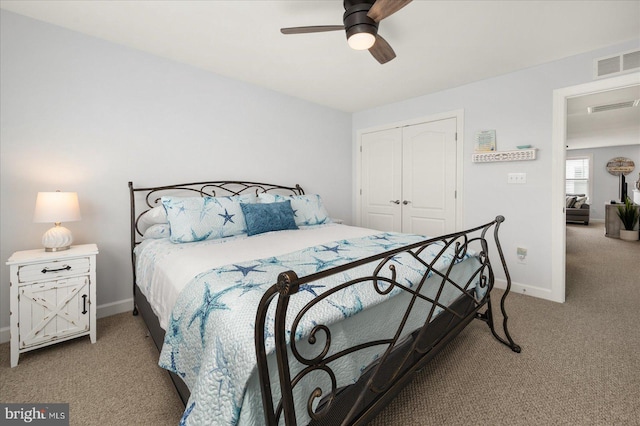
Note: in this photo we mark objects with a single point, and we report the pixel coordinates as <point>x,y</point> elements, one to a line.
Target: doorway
<point>558,156</point>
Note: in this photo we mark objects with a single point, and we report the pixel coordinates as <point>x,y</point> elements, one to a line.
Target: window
<point>578,176</point>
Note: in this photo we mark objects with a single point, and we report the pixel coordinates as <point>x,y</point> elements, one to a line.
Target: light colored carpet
<point>580,361</point>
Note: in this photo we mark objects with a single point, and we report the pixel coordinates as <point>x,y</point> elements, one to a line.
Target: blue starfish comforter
<point>209,339</point>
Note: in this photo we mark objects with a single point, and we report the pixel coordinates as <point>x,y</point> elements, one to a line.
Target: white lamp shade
<point>56,207</point>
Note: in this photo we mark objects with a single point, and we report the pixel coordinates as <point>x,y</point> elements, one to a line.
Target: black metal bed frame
<point>150,198</point>
<point>402,354</point>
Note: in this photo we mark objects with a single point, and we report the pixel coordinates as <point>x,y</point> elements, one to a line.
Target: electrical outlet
<point>521,252</point>
<point>517,178</point>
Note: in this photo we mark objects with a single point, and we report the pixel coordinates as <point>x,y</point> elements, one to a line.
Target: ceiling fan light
<point>361,41</point>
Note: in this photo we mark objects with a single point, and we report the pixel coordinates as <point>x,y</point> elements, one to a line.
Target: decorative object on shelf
<point>629,216</point>
<point>57,207</point>
<point>519,155</point>
<point>523,146</point>
<point>621,166</point>
<point>638,182</point>
<point>485,141</point>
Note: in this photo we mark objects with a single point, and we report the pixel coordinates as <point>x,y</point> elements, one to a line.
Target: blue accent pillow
<point>267,217</point>
<point>205,218</point>
<point>308,210</point>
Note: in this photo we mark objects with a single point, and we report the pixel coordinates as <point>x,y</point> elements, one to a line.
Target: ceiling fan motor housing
<point>356,19</point>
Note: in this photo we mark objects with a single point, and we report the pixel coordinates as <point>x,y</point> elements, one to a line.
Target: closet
<point>408,178</point>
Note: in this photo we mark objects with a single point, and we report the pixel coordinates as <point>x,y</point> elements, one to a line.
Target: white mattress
<point>164,268</point>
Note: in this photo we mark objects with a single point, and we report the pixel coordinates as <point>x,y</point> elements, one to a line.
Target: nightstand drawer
<point>53,269</point>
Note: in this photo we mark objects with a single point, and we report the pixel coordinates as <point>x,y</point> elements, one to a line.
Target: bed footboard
<point>427,324</point>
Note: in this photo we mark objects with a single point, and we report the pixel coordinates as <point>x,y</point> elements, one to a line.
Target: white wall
<point>85,115</point>
<point>606,187</point>
<point>519,107</point>
<point>81,114</point>
<point>618,137</point>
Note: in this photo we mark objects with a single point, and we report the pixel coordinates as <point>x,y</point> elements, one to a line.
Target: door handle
<point>395,202</point>
<point>405,202</point>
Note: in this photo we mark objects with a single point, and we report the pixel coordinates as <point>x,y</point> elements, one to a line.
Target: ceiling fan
<point>361,18</point>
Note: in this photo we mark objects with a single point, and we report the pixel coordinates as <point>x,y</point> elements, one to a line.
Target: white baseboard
<point>4,334</point>
<point>102,311</point>
<point>114,308</point>
<point>527,290</point>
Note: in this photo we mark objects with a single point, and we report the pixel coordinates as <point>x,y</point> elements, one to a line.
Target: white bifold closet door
<point>409,178</point>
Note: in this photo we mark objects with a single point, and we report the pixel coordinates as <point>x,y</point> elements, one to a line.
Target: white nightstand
<point>52,297</point>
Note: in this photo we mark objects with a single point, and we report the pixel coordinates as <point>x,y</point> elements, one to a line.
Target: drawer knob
<point>64,268</point>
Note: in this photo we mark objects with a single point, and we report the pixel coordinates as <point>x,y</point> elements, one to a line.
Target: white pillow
<point>157,231</point>
<point>154,216</point>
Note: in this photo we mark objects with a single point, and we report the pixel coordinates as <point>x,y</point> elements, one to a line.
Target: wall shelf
<point>517,155</point>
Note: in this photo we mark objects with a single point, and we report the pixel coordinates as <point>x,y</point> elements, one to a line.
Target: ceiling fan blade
<point>312,29</point>
<point>382,51</point>
<point>384,8</point>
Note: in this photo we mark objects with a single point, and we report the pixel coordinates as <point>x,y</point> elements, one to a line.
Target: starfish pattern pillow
<point>308,210</point>
<point>205,218</point>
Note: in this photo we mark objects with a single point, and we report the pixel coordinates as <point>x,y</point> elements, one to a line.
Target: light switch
<point>517,178</point>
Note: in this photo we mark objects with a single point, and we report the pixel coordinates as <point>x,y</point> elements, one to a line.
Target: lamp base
<point>57,238</point>
<point>48,249</point>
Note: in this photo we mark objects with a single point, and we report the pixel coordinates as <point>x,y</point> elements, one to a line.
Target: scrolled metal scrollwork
<point>153,195</point>
<point>317,393</point>
<point>317,350</point>
<point>312,341</point>
<point>391,281</point>
<point>486,273</point>
<point>460,250</point>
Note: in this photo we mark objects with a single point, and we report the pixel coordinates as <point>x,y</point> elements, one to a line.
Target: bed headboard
<point>144,199</point>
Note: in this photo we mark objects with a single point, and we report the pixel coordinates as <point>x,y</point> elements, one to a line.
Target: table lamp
<point>57,207</point>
